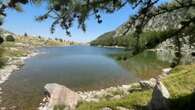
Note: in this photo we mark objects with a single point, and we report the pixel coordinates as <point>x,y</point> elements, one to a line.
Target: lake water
<point>77,67</point>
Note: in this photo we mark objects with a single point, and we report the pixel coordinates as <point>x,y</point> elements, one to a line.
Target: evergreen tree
<point>39,37</point>
<point>25,34</point>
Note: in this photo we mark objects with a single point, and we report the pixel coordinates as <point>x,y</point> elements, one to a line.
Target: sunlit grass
<point>131,101</point>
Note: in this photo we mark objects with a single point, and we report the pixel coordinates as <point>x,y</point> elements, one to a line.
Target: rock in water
<point>59,95</point>
<point>160,97</point>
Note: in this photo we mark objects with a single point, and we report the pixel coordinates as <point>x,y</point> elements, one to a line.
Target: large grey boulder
<point>160,97</point>
<point>59,95</point>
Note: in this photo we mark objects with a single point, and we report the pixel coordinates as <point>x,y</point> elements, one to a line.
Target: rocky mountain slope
<point>156,26</point>
<point>159,23</point>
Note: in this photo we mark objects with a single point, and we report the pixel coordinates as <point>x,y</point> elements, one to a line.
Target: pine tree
<point>25,35</point>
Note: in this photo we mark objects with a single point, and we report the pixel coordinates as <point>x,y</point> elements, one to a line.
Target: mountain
<point>157,26</point>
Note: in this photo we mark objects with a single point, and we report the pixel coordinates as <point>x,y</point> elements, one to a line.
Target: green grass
<point>131,101</point>
<point>11,50</point>
<point>59,107</point>
<point>181,85</point>
<point>37,42</point>
<point>21,46</point>
<point>2,59</point>
<point>182,81</point>
<point>8,44</point>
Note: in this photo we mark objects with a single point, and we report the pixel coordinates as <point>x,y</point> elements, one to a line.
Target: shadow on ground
<point>181,103</point>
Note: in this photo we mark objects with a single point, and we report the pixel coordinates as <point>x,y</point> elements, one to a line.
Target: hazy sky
<point>21,22</point>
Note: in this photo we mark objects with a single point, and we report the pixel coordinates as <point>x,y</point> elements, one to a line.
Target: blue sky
<point>21,22</point>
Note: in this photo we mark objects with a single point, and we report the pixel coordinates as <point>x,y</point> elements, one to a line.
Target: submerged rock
<point>59,95</point>
<point>160,97</point>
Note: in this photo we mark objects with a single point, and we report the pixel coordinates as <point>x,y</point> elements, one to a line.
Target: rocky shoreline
<point>56,94</point>
<point>12,65</point>
<point>117,47</point>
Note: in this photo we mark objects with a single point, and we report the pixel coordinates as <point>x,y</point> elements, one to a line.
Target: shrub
<point>61,40</point>
<point>39,37</point>
<point>2,60</point>
<point>25,34</point>
<point>10,38</point>
<point>1,40</point>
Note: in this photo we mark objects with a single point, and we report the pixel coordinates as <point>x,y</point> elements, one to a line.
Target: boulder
<point>147,84</point>
<point>116,97</point>
<point>166,70</point>
<point>121,108</point>
<point>106,108</point>
<point>59,95</point>
<point>160,97</point>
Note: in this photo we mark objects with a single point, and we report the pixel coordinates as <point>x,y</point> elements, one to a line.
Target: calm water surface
<point>77,67</point>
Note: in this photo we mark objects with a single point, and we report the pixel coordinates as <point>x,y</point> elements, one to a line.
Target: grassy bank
<point>181,85</point>
<point>10,50</point>
<point>2,59</point>
<point>40,41</point>
<point>24,45</point>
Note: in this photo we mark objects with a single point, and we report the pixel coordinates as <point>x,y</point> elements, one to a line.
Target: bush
<point>25,34</point>
<point>1,40</point>
<point>10,38</point>
<point>2,60</point>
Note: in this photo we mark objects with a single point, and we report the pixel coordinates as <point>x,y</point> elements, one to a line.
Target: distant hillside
<point>105,39</point>
<point>157,26</point>
<point>35,40</point>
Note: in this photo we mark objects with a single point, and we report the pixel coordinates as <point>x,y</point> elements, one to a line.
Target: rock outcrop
<point>59,95</point>
<point>160,97</point>
<point>148,84</point>
<point>158,23</point>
